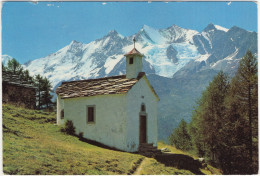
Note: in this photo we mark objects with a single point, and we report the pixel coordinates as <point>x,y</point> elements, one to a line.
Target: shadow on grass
<point>98,144</point>
<point>180,161</point>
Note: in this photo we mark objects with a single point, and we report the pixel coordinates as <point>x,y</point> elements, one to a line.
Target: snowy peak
<point>176,34</point>
<point>5,59</point>
<point>150,35</point>
<point>221,28</point>
<point>113,34</point>
<point>212,27</point>
<point>173,34</point>
<point>74,45</point>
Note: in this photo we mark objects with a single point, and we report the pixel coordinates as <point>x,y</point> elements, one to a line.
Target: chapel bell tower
<point>134,62</point>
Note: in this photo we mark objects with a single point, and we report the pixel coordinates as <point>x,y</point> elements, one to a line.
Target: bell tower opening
<point>134,62</point>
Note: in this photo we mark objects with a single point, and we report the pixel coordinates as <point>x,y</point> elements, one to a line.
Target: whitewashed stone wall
<point>60,106</point>
<point>110,118</point>
<point>117,117</point>
<point>140,93</point>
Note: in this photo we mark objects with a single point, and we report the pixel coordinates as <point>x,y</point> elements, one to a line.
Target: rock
<point>165,150</point>
<point>171,54</point>
<point>201,160</point>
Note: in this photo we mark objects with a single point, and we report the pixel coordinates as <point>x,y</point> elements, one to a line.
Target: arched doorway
<point>143,125</point>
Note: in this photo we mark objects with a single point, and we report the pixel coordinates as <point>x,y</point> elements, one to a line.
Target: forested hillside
<point>224,126</point>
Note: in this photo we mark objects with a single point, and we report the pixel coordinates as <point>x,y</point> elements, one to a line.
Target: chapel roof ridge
<point>134,51</point>
<point>96,79</point>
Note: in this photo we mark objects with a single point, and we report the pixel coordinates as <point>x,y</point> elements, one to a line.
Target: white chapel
<point>118,111</point>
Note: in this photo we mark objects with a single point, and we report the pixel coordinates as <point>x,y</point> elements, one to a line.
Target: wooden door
<point>143,129</point>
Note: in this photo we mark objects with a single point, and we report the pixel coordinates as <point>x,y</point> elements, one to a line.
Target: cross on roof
<point>134,41</point>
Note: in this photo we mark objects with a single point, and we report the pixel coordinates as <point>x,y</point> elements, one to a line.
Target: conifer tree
<point>14,66</point>
<point>25,75</point>
<point>241,117</point>
<point>3,67</point>
<point>38,82</point>
<point>180,137</point>
<point>46,96</point>
<point>207,118</point>
<point>224,125</point>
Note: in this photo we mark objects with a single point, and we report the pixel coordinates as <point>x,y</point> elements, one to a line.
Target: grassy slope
<point>33,144</point>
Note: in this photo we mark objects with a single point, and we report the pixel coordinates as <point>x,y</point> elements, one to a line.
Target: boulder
<point>165,150</point>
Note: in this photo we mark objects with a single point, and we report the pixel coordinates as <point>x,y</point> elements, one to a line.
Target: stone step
<point>148,149</point>
<point>145,149</point>
<point>146,144</point>
<point>150,154</point>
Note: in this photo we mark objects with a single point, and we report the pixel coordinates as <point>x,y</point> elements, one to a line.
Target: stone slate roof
<point>14,79</point>
<point>92,87</point>
<point>134,51</point>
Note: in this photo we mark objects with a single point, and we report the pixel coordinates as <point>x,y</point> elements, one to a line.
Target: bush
<point>68,128</point>
<point>80,135</point>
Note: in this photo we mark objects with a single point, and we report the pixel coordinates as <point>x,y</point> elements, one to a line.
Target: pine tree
<point>247,78</point>
<point>180,137</point>
<point>242,114</point>
<point>38,82</point>
<point>14,66</point>
<point>207,118</point>
<point>25,76</point>
<point>46,96</point>
<point>3,67</point>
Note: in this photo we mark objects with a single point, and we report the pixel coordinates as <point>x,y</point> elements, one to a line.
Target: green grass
<point>152,167</point>
<point>33,144</point>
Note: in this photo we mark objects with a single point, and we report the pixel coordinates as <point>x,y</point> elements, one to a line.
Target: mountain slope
<point>34,145</point>
<point>5,59</point>
<point>31,136</point>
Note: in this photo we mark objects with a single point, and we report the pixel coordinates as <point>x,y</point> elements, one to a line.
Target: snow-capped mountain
<point>221,49</point>
<point>165,50</point>
<point>179,63</point>
<point>5,59</point>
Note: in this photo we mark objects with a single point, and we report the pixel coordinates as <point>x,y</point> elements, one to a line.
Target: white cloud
<point>50,5</point>
<point>34,2</point>
<point>229,3</point>
<point>104,3</point>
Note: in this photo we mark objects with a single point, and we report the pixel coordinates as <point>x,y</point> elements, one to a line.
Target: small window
<point>143,108</point>
<point>62,114</point>
<point>90,114</point>
<point>131,61</point>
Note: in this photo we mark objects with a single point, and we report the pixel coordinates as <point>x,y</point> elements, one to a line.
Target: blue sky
<point>35,30</point>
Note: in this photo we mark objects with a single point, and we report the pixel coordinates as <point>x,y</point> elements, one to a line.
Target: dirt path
<point>139,169</point>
